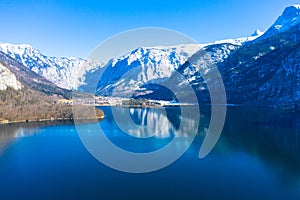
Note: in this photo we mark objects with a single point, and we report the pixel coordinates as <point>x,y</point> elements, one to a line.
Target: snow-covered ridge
<point>70,73</point>
<point>67,73</point>
<point>128,72</point>
<point>8,79</point>
<point>183,51</point>
<point>239,41</point>
<point>158,53</point>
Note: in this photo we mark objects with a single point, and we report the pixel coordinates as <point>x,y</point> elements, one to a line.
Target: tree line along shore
<point>27,105</point>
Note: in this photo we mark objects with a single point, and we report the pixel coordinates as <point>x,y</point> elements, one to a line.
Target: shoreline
<point>6,122</point>
<point>65,113</point>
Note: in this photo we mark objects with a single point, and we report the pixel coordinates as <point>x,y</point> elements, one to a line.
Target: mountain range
<point>68,73</point>
<point>260,70</point>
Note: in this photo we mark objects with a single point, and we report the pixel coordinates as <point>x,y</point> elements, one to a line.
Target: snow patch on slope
<point>8,79</point>
<point>239,41</point>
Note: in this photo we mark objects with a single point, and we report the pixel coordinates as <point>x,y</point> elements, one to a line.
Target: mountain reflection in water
<point>256,157</point>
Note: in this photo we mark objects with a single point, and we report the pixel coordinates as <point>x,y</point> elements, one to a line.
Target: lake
<point>256,157</point>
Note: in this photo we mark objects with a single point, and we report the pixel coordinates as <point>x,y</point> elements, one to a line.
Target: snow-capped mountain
<point>68,73</point>
<point>8,79</point>
<point>15,75</point>
<point>263,72</point>
<point>201,63</point>
<point>267,71</point>
<point>260,70</point>
<point>155,64</point>
<point>125,76</point>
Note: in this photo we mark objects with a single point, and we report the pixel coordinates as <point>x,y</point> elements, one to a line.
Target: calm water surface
<point>256,157</point>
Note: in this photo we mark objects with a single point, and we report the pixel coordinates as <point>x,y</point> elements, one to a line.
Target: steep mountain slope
<point>289,18</point>
<point>8,79</point>
<point>266,72</point>
<point>30,79</point>
<point>68,73</point>
<point>24,95</point>
<point>27,96</point>
<point>124,75</point>
<point>127,75</point>
<point>150,64</point>
<point>262,72</point>
<point>203,62</point>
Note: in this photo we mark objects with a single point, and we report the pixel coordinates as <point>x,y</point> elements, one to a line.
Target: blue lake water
<point>256,157</point>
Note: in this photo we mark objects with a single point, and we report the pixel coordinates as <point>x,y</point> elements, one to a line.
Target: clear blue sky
<point>75,27</point>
